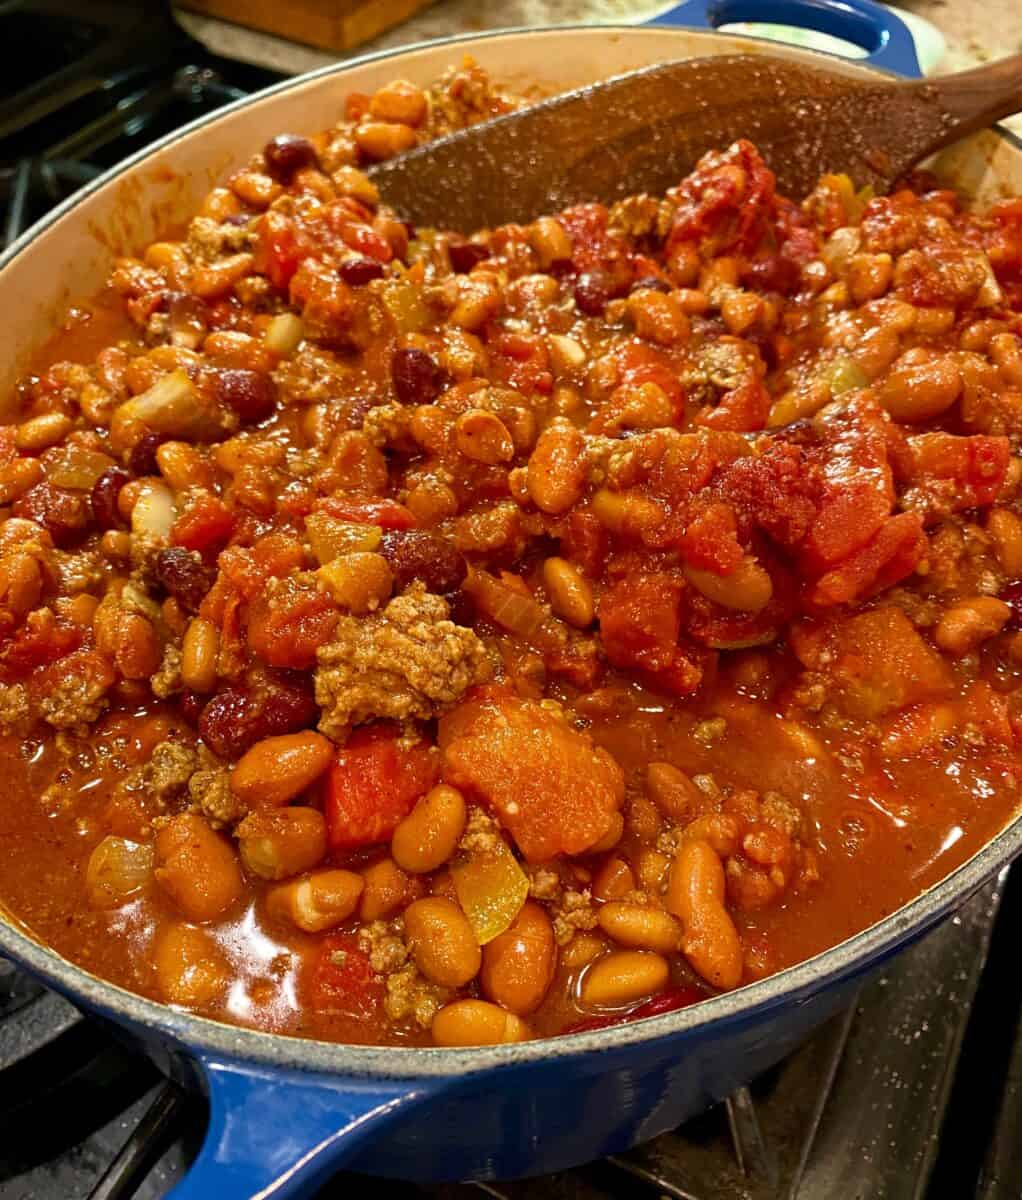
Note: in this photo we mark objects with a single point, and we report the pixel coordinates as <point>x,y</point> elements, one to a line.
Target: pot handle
<point>865,23</point>
<point>276,1133</point>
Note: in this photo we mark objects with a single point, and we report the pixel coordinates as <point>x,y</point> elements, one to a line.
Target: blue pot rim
<point>793,985</point>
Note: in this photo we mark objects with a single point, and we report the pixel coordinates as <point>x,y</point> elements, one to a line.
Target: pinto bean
<point>695,894</point>
<point>518,965</point>
<point>427,837</point>
<point>921,384</point>
<point>477,1023</point>
<point>623,977</point>
<point>556,470</point>
<point>278,842</point>
<point>442,942</point>
<point>197,868</point>
<point>315,902</point>
<point>969,622</point>
<point>748,588</point>
<point>191,969</point>
<point>277,769</point>
<point>640,926</point>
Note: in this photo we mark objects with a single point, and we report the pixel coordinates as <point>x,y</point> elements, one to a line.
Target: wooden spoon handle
<point>977,98</point>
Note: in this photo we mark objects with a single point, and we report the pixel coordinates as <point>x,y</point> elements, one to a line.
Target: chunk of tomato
<point>373,785</point>
<point>388,514</point>
<point>343,981</point>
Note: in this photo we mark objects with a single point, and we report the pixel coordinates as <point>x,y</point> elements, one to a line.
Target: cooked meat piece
<point>210,790</point>
<point>170,768</point>
<point>14,706</point>
<point>410,660</point>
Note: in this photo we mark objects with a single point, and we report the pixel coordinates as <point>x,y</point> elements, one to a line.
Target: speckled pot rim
<point>205,1038</point>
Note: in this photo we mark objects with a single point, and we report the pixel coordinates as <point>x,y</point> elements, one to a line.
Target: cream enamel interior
<point>67,258</point>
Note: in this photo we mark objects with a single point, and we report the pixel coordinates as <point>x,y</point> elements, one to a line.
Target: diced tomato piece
<point>278,553</point>
<point>711,541</point>
<point>373,785</point>
<point>278,250</point>
<point>669,1000</point>
<point>79,664</point>
<point>741,410</point>
<point>777,490</point>
<point>366,240</point>
<point>858,490</point>
<point>729,199</point>
<point>343,981</point>
<point>42,639</point>
<point>987,710</point>
<point>951,473</point>
<point>640,619</point>
<point>205,525</point>
<point>874,663</point>
<point>585,542</point>
<point>388,514</point>
<point>894,551</point>
<point>521,361</point>
<point>547,783</point>
<point>287,627</point>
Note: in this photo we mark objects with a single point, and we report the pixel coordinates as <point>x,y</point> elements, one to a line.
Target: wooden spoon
<point>644,131</point>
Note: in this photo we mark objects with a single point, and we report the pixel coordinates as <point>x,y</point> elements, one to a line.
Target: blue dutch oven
<point>286,1113</point>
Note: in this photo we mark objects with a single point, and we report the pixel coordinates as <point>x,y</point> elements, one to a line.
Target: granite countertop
<point>974,31</point>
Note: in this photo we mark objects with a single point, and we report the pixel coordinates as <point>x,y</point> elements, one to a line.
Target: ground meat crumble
<point>410,660</point>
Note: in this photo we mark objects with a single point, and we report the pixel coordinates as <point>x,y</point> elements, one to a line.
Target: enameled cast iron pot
<point>284,1112</point>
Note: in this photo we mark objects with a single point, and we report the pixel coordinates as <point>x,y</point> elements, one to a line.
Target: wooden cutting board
<point>331,24</point>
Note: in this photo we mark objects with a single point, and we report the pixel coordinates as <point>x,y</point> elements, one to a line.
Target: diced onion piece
<point>840,247</point>
<point>990,294</point>
<point>506,606</point>
<point>171,405</point>
<point>491,890</point>
<point>75,467</point>
<point>331,537</point>
<point>284,334</point>
<point>154,512</point>
<point>402,299</point>
<point>845,376</point>
<point>117,870</point>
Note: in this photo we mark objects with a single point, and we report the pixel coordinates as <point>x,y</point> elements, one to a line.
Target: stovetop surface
<point>913,1094</point>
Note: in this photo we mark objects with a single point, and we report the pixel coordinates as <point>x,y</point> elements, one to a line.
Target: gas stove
<point>915,1093</point>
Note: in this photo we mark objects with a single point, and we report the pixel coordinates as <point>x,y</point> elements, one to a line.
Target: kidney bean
<point>251,394</point>
<point>191,705</point>
<point>142,460</point>
<point>182,573</point>
<point>104,497</point>
<point>415,554</point>
<point>230,723</point>
<point>1012,596</point>
<point>64,514</point>
<point>651,283</point>
<point>593,290</point>
<point>359,271</point>
<point>417,378</point>
<point>465,255</point>
<point>775,273</point>
<point>287,153</point>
